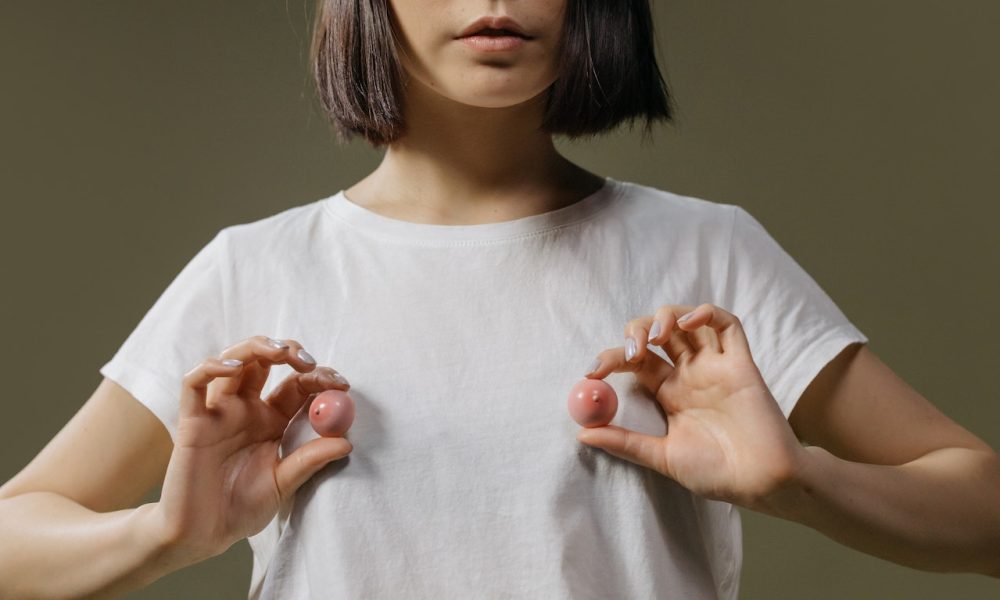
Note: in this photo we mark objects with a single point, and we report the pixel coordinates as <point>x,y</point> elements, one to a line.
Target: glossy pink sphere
<point>331,413</point>
<point>592,402</point>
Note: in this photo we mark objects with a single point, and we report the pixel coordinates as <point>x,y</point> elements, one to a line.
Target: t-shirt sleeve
<point>793,327</point>
<point>185,325</point>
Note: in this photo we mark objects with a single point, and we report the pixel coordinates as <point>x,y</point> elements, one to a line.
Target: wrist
<point>791,495</point>
<point>162,545</point>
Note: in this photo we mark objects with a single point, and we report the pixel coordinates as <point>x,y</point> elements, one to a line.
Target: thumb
<point>296,468</point>
<point>642,449</point>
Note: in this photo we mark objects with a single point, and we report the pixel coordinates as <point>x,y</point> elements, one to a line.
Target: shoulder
<point>655,209</point>
<point>284,230</point>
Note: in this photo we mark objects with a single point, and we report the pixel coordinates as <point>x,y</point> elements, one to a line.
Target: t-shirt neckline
<point>369,221</point>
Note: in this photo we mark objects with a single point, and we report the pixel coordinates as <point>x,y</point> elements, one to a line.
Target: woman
<point>462,286</point>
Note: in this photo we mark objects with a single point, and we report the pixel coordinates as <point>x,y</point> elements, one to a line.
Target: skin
<point>225,481</point>
<point>221,478</point>
<point>888,473</point>
<point>473,154</point>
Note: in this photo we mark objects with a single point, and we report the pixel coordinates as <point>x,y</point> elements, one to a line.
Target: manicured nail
<point>232,362</point>
<point>629,349</point>
<point>654,330</point>
<point>685,317</point>
<point>276,343</point>
<point>593,366</point>
<point>306,357</point>
<point>340,379</point>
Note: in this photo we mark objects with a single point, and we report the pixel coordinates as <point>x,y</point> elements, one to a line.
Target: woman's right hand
<point>225,480</point>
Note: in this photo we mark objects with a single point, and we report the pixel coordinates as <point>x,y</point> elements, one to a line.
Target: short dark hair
<point>607,70</point>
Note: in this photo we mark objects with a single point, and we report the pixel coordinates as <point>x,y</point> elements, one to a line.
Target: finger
<point>650,373</point>
<point>194,384</point>
<point>637,338</point>
<point>697,338</point>
<point>256,377</point>
<point>701,338</point>
<point>704,338</point>
<point>296,468</point>
<point>725,326</point>
<point>689,342</point>
<point>640,448</point>
<point>674,340</point>
<point>250,350</point>
<point>298,388</point>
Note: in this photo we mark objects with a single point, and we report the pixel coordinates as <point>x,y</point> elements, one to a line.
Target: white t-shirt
<point>461,343</point>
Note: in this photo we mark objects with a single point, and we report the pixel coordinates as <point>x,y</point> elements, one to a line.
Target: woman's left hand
<point>726,439</point>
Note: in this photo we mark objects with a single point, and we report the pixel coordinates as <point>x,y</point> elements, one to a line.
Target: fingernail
<point>340,379</point>
<point>232,362</point>
<point>593,366</point>
<point>654,330</point>
<point>306,357</point>
<point>685,317</point>
<point>276,343</point>
<point>629,349</point>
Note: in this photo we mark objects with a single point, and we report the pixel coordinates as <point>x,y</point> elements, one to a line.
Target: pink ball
<point>331,413</point>
<point>592,402</point>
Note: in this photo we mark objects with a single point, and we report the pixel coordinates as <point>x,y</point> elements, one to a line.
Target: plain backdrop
<point>863,135</point>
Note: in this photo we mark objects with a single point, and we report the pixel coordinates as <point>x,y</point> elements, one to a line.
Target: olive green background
<point>863,135</point>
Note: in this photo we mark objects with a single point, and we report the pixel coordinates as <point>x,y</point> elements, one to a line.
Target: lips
<point>497,32</point>
<point>491,25</point>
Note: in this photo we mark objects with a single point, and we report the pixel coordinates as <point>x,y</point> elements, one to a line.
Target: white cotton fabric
<point>461,343</point>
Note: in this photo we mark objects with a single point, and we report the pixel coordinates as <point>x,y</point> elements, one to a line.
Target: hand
<point>225,480</point>
<point>726,439</point>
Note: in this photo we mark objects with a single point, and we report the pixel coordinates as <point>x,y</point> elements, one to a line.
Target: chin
<point>493,92</point>
<point>491,101</point>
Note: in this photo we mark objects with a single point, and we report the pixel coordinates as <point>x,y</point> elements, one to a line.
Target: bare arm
<point>64,529</point>
<point>65,521</point>
<point>889,474</point>
<point>55,548</point>
<point>935,513</point>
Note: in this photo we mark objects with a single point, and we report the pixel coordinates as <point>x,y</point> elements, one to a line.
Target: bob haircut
<point>607,70</point>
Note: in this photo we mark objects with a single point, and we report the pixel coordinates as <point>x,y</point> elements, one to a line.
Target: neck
<point>462,164</point>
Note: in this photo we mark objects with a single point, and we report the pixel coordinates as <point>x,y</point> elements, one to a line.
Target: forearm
<point>52,547</point>
<point>937,513</point>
